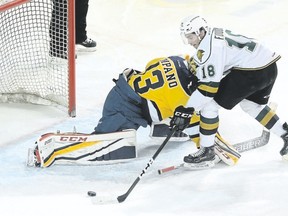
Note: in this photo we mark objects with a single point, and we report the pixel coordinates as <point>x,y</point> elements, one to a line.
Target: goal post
<point>71,59</point>
<point>37,53</point>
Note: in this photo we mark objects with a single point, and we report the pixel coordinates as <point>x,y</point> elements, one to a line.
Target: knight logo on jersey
<point>192,65</point>
<point>200,54</point>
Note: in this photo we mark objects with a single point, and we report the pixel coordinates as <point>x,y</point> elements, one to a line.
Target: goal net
<point>37,52</point>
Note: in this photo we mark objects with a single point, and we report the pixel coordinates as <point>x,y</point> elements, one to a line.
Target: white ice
<point>129,33</point>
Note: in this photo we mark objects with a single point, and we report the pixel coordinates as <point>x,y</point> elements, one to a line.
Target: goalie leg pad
<point>226,152</point>
<point>78,148</point>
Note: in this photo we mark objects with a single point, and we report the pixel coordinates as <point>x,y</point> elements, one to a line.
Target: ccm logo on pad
<point>73,139</point>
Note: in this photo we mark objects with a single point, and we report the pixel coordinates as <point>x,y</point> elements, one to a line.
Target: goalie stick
<point>240,147</point>
<point>104,200</point>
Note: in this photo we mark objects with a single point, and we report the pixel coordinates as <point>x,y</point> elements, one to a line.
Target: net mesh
<point>34,65</point>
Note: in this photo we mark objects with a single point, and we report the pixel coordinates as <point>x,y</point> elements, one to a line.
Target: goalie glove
<point>181,118</point>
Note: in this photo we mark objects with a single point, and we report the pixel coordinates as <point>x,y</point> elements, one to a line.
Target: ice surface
<point>129,33</point>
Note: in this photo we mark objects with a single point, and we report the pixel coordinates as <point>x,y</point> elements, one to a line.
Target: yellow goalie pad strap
<point>225,143</point>
<point>225,156</point>
<point>61,152</point>
<point>226,151</point>
<point>196,140</point>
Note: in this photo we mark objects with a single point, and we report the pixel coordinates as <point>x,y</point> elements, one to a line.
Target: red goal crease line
<point>11,4</point>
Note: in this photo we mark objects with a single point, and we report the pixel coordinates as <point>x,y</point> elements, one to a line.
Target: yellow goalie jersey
<point>166,84</point>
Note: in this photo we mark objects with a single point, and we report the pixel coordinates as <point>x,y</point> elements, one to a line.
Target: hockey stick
<point>253,143</point>
<point>122,198</point>
<point>240,147</point>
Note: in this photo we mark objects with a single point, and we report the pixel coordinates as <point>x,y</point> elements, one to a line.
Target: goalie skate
<point>33,159</point>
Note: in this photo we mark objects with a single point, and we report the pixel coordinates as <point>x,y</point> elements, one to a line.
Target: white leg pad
<point>78,148</point>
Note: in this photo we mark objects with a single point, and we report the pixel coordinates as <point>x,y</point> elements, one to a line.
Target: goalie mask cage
<point>37,52</point>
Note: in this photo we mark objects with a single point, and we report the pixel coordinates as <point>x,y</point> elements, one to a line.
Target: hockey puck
<point>91,193</point>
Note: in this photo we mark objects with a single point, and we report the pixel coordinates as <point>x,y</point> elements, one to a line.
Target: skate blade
<point>285,157</point>
<point>199,166</point>
<point>82,49</point>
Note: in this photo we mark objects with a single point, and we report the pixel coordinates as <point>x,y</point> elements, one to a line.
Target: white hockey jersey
<point>218,53</point>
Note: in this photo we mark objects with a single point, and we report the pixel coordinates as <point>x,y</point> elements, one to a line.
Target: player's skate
<point>284,150</point>
<point>203,158</point>
<point>88,45</point>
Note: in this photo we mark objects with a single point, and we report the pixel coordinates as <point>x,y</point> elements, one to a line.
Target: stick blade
<point>122,198</point>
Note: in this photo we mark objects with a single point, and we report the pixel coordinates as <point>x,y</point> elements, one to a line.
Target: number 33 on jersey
<point>166,83</point>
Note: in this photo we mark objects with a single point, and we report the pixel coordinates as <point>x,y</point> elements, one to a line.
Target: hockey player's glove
<point>181,118</point>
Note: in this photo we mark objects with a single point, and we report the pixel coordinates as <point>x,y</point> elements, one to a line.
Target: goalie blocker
<point>79,148</point>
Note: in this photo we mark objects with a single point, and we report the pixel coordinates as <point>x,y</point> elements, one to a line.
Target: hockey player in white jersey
<point>232,69</point>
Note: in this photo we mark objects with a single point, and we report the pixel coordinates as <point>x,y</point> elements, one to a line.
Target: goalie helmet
<point>192,24</point>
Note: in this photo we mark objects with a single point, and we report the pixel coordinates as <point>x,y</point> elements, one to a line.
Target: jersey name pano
<point>170,76</point>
